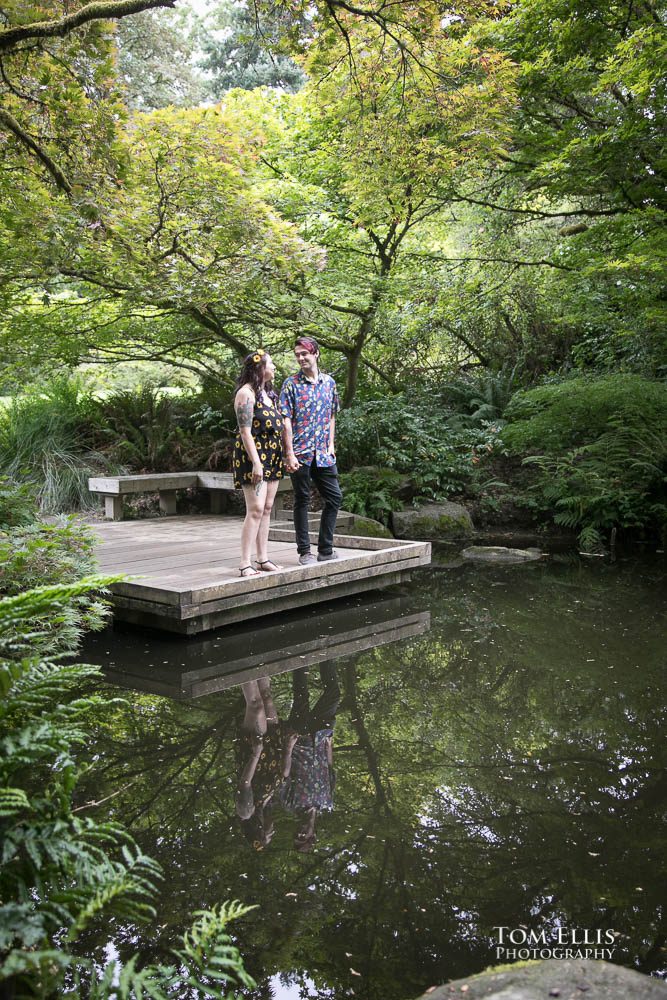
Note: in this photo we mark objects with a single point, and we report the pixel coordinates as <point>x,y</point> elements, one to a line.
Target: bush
<point>142,431</point>
<point>476,401</point>
<point>603,460</point>
<point>41,554</point>
<point>416,439</point>
<point>372,492</point>
<point>552,418</point>
<point>18,503</point>
<point>149,430</point>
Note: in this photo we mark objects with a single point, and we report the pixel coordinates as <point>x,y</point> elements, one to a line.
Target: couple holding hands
<point>293,433</point>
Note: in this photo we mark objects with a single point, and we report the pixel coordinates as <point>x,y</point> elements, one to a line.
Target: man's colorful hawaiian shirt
<point>310,406</point>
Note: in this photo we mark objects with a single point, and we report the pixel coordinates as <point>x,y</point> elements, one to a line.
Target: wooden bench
<point>219,484</point>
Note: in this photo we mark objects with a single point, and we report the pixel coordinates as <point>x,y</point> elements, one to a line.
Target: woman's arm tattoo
<point>244,414</point>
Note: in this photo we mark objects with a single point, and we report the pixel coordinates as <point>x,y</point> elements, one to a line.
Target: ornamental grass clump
<point>46,441</point>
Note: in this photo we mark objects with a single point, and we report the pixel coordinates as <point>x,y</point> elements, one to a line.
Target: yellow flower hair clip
<point>258,355</point>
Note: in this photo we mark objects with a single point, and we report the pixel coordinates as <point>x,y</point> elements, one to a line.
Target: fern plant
<point>41,554</point>
<point>61,870</point>
<point>618,481</point>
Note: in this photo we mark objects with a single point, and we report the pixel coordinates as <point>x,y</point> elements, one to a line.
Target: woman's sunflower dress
<point>267,430</point>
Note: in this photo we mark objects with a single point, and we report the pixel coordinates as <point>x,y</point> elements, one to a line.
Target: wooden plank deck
<point>185,575</point>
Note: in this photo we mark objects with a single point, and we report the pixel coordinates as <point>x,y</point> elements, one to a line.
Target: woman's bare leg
<point>265,523</point>
<point>254,720</point>
<point>254,511</point>
<point>264,685</point>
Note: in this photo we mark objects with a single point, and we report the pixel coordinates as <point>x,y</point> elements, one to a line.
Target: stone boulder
<point>433,521</point>
<point>364,527</point>
<point>500,554</point>
<point>567,979</point>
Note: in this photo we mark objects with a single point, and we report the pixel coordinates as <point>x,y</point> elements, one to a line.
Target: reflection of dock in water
<point>204,666</point>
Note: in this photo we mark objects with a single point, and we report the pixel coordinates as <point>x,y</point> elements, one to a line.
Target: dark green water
<point>499,761</point>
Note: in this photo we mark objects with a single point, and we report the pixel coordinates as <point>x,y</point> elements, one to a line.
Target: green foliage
<point>372,492</point>
<point>617,481</point>
<point>61,871</point>
<point>603,460</point>
<point>577,411</point>
<point>156,59</point>
<point>416,439</point>
<point>18,503</point>
<point>142,430</point>
<point>45,440</point>
<point>479,399</point>
<point>38,554</point>
<point>591,115</point>
<point>240,57</point>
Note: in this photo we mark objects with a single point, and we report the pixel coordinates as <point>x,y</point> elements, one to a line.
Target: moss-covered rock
<point>554,978</point>
<point>364,527</point>
<point>500,554</point>
<point>433,521</point>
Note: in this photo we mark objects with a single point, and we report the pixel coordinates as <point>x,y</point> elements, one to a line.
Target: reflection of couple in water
<point>288,762</point>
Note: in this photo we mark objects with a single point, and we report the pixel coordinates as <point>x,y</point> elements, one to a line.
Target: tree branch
<point>100,10</point>
<point>11,125</point>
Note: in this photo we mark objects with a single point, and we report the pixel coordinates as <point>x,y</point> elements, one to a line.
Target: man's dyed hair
<point>309,343</point>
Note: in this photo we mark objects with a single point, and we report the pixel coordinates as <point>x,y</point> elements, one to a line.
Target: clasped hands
<point>292,462</point>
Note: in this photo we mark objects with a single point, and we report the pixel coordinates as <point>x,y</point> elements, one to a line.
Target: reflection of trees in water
<point>485,777</point>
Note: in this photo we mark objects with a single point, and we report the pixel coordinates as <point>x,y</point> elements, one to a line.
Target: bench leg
<point>168,501</point>
<point>113,508</point>
<point>218,501</point>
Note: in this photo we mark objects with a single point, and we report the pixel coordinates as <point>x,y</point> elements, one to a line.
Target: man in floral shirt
<point>309,403</point>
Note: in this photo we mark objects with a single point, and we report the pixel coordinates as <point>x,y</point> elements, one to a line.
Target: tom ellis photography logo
<point>522,943</point>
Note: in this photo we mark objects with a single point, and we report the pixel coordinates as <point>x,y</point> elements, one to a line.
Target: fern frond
<point>13,801</point>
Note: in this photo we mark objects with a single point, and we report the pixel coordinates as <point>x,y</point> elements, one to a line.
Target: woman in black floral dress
<point>258,457</point>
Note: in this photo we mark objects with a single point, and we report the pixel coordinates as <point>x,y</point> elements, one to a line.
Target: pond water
<point>499,762</point>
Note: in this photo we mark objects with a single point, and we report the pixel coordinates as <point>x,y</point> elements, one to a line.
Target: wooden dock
<point>185,579</point>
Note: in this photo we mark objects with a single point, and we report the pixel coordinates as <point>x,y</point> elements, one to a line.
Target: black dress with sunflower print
<point>267,430</point>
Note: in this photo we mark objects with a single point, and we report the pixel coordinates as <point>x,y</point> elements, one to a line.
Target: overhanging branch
<point>10,123</point>
<point>101,10</point>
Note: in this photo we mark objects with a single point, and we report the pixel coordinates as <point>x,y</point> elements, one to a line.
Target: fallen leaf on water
<point>290,894</point>
<point>354,972</point>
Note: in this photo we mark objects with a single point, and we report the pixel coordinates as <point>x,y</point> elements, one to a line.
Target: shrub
<point>552,418</point>
<point>42,554</point>
<point>372,492</point>
<point>149,430</point>
<point>618,481</point>
<point>478,400</point>
<point>18,503</point>
<point>141,429</point>
<point>415,439</point>
<point>603,452</point>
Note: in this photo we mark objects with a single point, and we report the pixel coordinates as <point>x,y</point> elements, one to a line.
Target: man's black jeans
<point>326,480</point>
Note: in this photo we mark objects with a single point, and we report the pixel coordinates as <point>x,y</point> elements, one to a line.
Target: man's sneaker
<point>307,558</point>
<point>321,557</point>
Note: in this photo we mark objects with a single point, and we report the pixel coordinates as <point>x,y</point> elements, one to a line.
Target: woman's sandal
<point>269,562</point>
<point>243,570</point>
